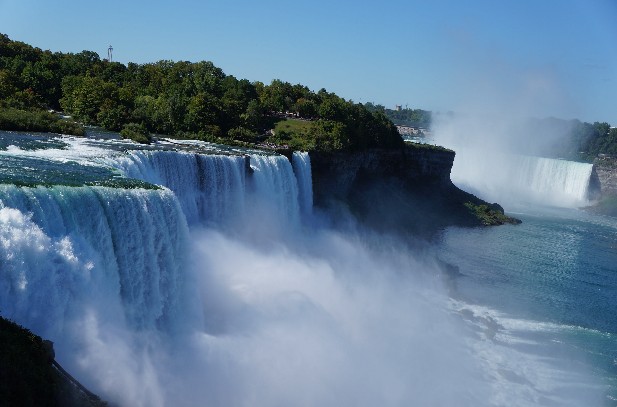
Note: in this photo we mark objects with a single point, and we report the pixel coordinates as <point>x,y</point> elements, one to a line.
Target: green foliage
<point>295,134</point>
<point>489,215</point>
<point>136,132</point>
<point>183,99</point>
<point>37,121</point>
<point>404,117</point>
<point>242,134</point>
<point>420,146</point>
<point>576,140</point>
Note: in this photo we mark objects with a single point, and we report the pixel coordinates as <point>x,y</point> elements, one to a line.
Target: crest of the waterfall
<point>301,163</point>
<point>274,190</point>
<point>215,190</point>
<point>210,188</point>
<point>507,178</point>
<point>67,251</point>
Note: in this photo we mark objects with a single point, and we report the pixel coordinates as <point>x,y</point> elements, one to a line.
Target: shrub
<point>136,132</point>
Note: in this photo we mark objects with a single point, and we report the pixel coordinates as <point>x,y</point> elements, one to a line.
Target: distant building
<point>398,108</point>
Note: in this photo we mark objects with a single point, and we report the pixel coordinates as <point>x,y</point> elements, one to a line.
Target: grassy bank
<point>294,133</point>
<point>37,121</point>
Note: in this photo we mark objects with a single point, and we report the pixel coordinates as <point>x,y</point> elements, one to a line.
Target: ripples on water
<point>550,284</point>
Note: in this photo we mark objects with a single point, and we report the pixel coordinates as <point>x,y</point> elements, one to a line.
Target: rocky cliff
<point>604,182</point>
<point>407,190</point>
<point>606,170</point>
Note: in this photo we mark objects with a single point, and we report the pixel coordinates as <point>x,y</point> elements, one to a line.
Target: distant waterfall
<point>301,163</point>
<point>511,178</point>
<point>118,250</point>
<point>567,179</point>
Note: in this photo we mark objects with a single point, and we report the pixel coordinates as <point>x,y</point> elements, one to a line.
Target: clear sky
<point>529,57</point>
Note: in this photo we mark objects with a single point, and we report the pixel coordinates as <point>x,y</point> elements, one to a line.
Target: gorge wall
<point>407,190</point>
<point>606,175</point>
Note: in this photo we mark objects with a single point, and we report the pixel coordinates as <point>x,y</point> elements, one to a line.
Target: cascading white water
<point>211,188</point>
<point>550,176</point>
<point>508,178</point>
<point>215,190</point>
<point>61,247</point>
<point>130,242</point>
<point>274,189</point>
<point>149,310</point>
<point>101,270</point>
<point>301,163</point>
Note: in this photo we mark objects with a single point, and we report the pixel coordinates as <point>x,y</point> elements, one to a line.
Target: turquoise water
<point>221,288</point>
<point>550,282</point>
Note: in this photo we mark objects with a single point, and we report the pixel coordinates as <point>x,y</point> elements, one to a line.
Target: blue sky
<point>520,57</point>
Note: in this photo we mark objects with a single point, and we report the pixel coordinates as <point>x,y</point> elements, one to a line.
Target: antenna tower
<point>110,51</point>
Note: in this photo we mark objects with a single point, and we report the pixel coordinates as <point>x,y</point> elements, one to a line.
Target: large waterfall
<point>508,178</point>
<point>211,282</point>
<point>117,249</point>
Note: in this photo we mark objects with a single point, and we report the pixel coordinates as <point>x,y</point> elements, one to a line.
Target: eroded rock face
<point>336,173</point>
<point>606,171</point>
<point>594,191</point>
<point>407,191</point>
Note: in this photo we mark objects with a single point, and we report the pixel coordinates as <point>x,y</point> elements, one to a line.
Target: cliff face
<point>606,170</point>
<point>336,174</point>
<point>604,183</point>
<point>406,190</point>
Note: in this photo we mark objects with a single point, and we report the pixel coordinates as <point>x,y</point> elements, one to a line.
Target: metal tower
<point>110,51</point>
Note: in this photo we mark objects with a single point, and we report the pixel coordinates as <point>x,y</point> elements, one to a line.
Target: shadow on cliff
<point>408,191</point>
<point>391,205</point>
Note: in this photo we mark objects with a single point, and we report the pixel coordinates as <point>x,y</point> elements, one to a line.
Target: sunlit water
<point>221,287</point>
<point>548,286</point>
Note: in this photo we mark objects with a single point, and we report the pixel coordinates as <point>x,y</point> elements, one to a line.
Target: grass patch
<point>422,146</point>
<point>295,133</point>
<point>38,121</point>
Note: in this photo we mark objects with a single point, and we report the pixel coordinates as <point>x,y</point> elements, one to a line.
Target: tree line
<point>180,99</point>
<point>404,117</point>
<point>571,139</point>
<point>591,140</point>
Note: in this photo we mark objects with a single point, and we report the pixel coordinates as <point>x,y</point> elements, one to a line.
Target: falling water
<point>510,178</point>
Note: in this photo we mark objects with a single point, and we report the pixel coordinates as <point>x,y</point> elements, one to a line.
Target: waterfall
<point>58,243</point>
<point>110,274</point>
<point>210,188</point>
<point>215,190</point>
<point>118,250</point>
<point>301,163</point>
<point>567,179</point>
<point>274,189</point>
<point>511,178</point>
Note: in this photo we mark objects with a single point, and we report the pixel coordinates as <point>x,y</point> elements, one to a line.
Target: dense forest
<point>177,99</point>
